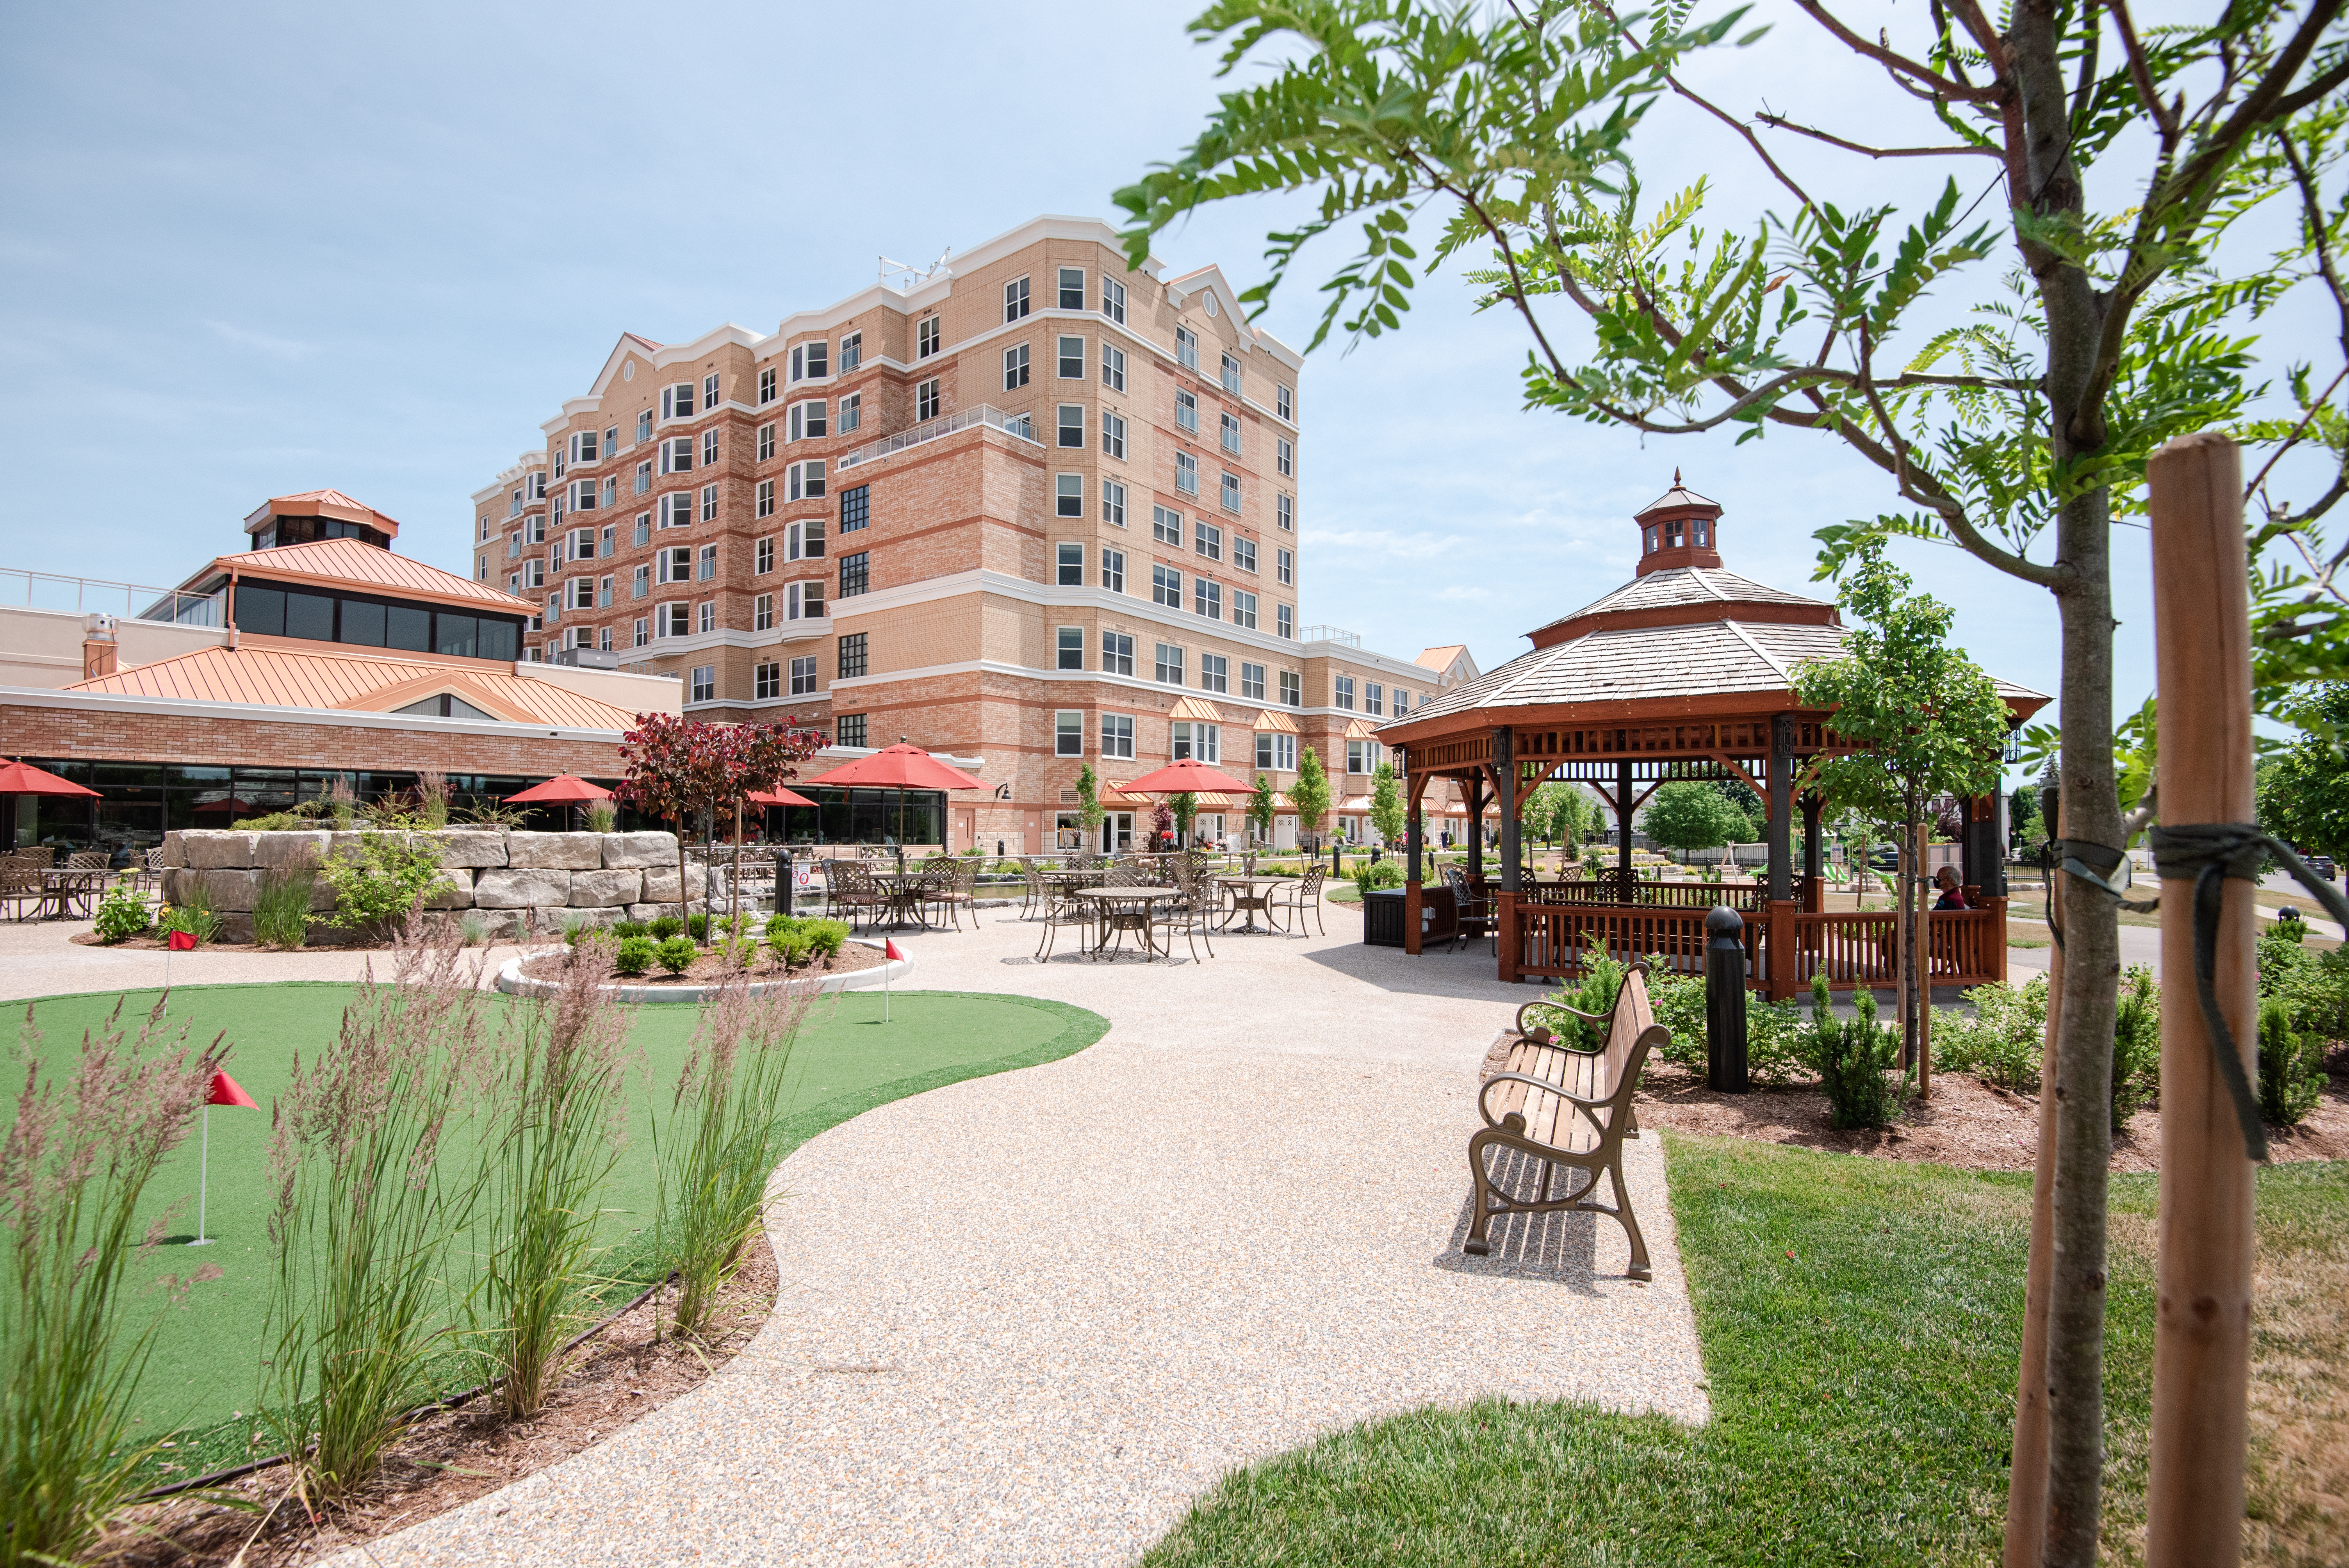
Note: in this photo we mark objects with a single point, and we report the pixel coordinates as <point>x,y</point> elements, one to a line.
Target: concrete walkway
<point>1027,1319</point>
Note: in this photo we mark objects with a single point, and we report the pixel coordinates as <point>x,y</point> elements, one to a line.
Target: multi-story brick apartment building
<point>1028,506</point>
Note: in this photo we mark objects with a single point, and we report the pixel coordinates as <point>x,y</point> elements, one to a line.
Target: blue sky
<point>249,249</point>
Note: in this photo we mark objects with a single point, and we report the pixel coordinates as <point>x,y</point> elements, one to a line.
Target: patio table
<point>66,894</point>
<point>904,892</point>
<point>1244,897</point>
<point>1124,909</point>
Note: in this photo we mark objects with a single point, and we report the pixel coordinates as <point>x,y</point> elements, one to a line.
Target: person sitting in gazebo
<point>1952,895</point>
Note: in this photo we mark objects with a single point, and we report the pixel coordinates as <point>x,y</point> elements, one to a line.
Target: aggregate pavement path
<point>1028,1318</point>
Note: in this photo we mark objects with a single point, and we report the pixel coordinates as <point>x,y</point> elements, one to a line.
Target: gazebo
<point>1681,673</point>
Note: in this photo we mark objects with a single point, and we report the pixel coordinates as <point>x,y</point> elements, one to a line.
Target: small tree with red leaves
<point>674,765</point>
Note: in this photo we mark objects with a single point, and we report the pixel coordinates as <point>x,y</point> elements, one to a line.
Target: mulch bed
<point>452,1457</point>
<point>157,944</point>
<point>711,967</point>
<point>1969,1124</point>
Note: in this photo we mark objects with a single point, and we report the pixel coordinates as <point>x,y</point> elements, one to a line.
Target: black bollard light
<point>1724,1001</point>
<point>783,894</point>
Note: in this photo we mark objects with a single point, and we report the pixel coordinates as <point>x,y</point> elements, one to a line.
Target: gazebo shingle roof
<point>1687,585</point>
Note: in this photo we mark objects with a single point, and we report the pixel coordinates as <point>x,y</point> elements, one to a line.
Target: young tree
<point>1311,796</point>
<point>2304,795</point>
<point>1089,806</point>
<point>2083,338</point>
<point>674,767</point>
<point>1688,814</point>
<point>1260,809</point>
<point>1386,804</point>
<point>1930,720</point>
<point>1186,806</point>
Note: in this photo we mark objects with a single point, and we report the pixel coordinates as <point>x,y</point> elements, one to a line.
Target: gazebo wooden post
<point>1414,836</point>
<point>1476,828</point>
<point>1781,975</point>
<point>1815,897</point>
<point>1504,773</point>
<point>1624,886</point>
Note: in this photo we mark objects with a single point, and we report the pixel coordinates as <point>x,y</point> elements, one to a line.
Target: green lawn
<point>1860,1321</point>
<point>206,1354</point>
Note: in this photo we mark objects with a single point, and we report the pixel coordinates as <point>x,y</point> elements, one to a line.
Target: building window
<point>676,455</point>
<point>1284,511</point>
<point>803,669</point>
<point>1072,288</point>
<point>1276,751</point>
<point>804,600</point>
<point>1285,565</point>
<point>1015,299</point>
<point>1208,539</point>
<point>1243,553</point>
<point>1186,348</point>
<point>641,584</point>
<point>803,481</point>
<point>1072,424</point>
<point>1214,673</point>
<point>1113,503</point>
<point>1070,564</point>
<point>1244,610</point>
<point>710,393</point>
<point>644,477</point>
<point>848,729</point>
<point>644,534</point>
<point>1280,402</point>
<point>674,621</point>
<point>709,503</point>
<point>1015,368</point>
<point>767,681</point>
<point>645,426</point>
<point>1362,756</point>
<point>676,565</point>
<point>1187,473</point>
<point>1374,698</point>
<point>705,682</point>
<point>766,440</point>
<point>1068,733</point>
<point>1166,587</point>
<point>1284,620</point>
<point>1402,702</point>
<point>763,611</point>
<point>804,540</point>
<point>767,386</point>
<point>1166,526</point>
<point>852,655</point>
<point>1231,373</point>
<point>1252,682</point>
<point>1069,495</point>
<point>1186,412</point>
<point>765,504</point>
<point>1199,742</point>
<point>852,352</point>
<point>1341,692</point>
<point>1231,436</point>
<point>1113,571</point>
<point>707,612</point>
<point>602,593</point>
<point>677,400</point>
<point>926,399</point>
<point>805,421</point>
<point>708,569</point>
<point>1113,366</point>
<point>852,412</point>
<point>1072,359</point>
<point>1285,457</point>
<point>856,508</point>
<point>710,448</point>
<point>1069,648</point>
<point>1117,653</point>
<point>1114,435</point>
<point>1208,598</point>
<point>854,573</point>
<point>1117,737</point>
<point>925,337</point>
<point>1114,300</point>
<point>1231,491</point>
<point>1170,665</point>
<point>640,631</point>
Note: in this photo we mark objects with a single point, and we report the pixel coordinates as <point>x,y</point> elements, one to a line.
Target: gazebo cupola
<point>1680,528</point>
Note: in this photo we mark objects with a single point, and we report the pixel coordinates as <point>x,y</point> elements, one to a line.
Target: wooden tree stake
<point>2202,1328</point>
<point>2026,1485</point>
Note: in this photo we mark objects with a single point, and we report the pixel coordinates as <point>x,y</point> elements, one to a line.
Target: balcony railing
<point>1338,634</point>
<point>93,595</point>
<point>932,429</point>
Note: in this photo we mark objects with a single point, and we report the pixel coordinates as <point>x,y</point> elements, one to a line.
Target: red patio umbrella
<point>900,767</point>
<point>1188,776</point>
<point>778,796</point>
<point>24,778</point>
<point>561,787</point>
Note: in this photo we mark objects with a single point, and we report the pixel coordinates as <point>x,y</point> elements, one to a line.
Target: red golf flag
<point>889,951</point>
<point>226,1090</point>
<point>183,942</point>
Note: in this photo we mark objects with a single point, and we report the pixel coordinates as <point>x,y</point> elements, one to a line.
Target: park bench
<point>1566,1109</point>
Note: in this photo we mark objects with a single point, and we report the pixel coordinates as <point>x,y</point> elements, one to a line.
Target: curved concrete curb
<point>510,981</point>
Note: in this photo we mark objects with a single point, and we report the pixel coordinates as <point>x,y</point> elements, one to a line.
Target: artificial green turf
<point>206,1354</point>
<point>1860,1322</point>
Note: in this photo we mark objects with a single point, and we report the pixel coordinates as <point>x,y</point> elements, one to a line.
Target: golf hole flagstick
<point>888,951</point>
<point>226,1090</point>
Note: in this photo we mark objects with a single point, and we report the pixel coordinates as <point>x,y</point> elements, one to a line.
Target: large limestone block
<point>591,919</point>
<point>605,890</point>
<point>211,849</point>
<point>296,850</point>
<point>339,840</point>
<point>522,888</point>
<point>639,849</point>
<point>556,851</point>
<point>454,891</point>
<point>643,914</point>
<point>472,847</point>
<point>660,884</point>
<point>175,849</point>
<point>231,889</point>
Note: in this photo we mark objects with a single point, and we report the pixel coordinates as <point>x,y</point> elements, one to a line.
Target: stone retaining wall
<point>520,883</point>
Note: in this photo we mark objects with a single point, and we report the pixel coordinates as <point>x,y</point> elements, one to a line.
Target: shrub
<point>790,946</point>
<point>601,817</point>
<point>381,880</point>
<point>2005,1039</point>
<point>664,926</point>
<point>2137,1046</point>
<point>623,929</point>
<point>1602,977</point>
<point>2314,986</point>
<point>281,907</point>
<point>740,951</point>
<point>698,926</point>
<point>635,955</point>
<point>1779,1048</point>
<point>826,938</point>
<point>77,1163</point>
<point>194,913</point>
<point>473,928</point>
<point>576,924</point>
<point>432,797</point>
<point>779,923</point>
<point>676,953</point>
<point>2292,1067</point>
<point>365,1215</point>
<point>1385,873</point>
<point>1854,1061</point>
<point>122,914</point>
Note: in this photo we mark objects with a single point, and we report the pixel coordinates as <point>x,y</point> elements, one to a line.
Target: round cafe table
<point>1244,897</point>
<point>67,892</point>
<point>1124,909</point>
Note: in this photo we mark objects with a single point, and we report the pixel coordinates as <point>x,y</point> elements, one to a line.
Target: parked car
<point>1885,858</point>
<point>2322,865</point>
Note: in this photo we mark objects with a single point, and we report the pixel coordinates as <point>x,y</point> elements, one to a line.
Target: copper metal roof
<point>288,676</point>
<point>352,564</point>
<point>331,503</point>
<point>1440,659</point>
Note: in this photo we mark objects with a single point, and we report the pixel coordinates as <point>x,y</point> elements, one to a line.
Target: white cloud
<point>261,342</point>
<point>1384,542</point>
<point>1462,593</point>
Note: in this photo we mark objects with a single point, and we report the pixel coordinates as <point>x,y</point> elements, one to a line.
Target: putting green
<point>202,1376</point>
